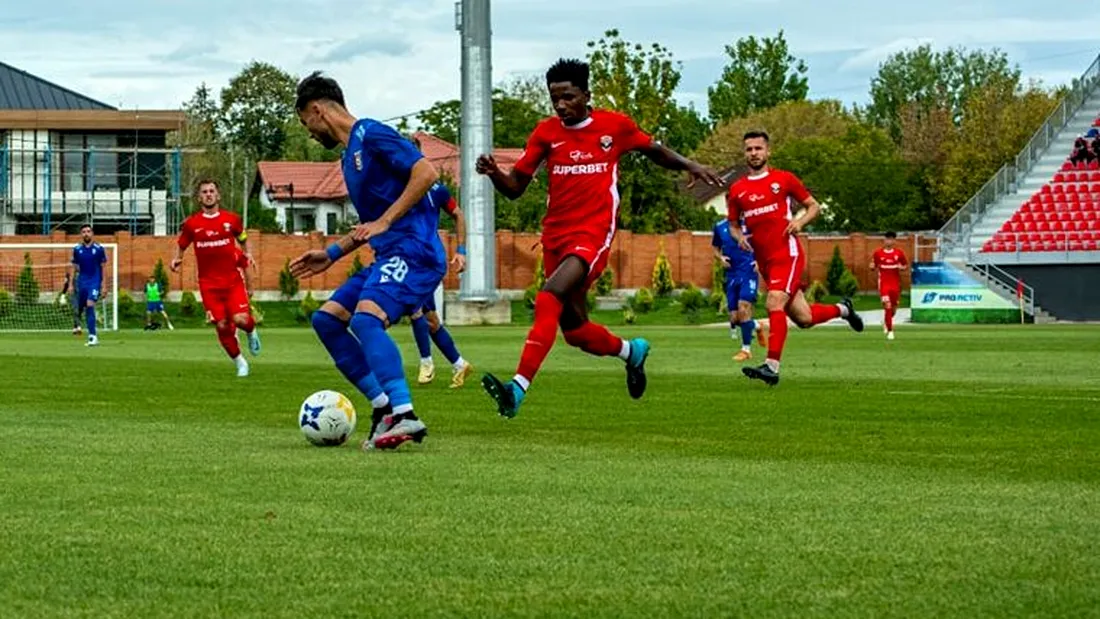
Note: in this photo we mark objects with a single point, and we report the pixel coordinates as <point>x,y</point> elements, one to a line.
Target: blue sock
<point>348,355</point>
<point>446,344</point>
<point>747,329</point>
<point>384,358</point>
<point>422,335</point>
<point>89,315</point>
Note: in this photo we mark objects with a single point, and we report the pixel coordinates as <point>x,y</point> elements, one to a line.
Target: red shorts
<point>594,252</point>
<point>784,273</point>
<point>890,296</point>
<point>222,303</point>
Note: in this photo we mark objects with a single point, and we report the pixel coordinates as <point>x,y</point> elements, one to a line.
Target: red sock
<point>595,339</point>
<point>777,320</point>
<point>823,313</point>
<point>889,318</point>
<point>228,339</point>
<point>250,324</point>
<point>540,339</point>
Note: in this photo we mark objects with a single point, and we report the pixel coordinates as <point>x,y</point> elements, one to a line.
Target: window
<point>330,223</point>
<point>84,169</point>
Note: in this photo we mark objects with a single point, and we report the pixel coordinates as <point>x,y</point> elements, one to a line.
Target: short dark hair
<point>568,70</point>
<point>757,133</point>
<point>891,235</point>
<point>206,180</point>
<point>88,226</point>
<point>317,87</point>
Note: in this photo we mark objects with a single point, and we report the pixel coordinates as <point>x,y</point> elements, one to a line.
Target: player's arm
<point>810,207</point>
<point>874,261</point>
<point>903,263</point>
<point>733,207</point>
<point>634,139</point>
<point>455,211</point>
<point>716,246</point>
<point>182,242</point>
<point>401,157</point>
<point>513,183</point>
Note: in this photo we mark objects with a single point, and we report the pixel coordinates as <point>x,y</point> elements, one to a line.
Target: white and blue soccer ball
<point>327,418</point>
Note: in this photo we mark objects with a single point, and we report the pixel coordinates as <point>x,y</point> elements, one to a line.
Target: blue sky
<point>396,59</point>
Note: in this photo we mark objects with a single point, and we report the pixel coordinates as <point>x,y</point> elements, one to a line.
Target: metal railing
<point>957,229</point>
<point>995,275</point>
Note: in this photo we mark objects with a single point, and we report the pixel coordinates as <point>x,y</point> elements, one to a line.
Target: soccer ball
<point>327,418</point>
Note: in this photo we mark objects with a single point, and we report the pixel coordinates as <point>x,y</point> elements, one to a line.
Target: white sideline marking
<point>995,394</point>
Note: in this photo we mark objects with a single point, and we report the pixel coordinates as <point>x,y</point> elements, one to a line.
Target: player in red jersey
<point>215,234</point>
<point>581,147</point>
<point>889,261</point>
<point>763,201</point>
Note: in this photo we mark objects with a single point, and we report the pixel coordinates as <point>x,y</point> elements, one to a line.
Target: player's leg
<point>460,368</point>
<point>78,309</point>
<point>241,311</point>
<point>217,310</point>
<point>330,323</point>
<point>393,288</point>
<point>423,336</point>
<point>164,313</point>
<point>149,316</point>
<point>90,298</point>
<point>562,276</point>
<point>746,327</point>
<point>892,298</point>
<point>596,339</point>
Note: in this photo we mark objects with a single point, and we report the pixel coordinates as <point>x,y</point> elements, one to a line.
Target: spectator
<point>1093,132</point>
<point>1096,148</point>
<point>1081,151</point>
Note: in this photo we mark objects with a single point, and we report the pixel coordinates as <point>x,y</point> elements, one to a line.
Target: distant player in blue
<point>387,180</point>
<point>741,281</point>
<point>427,326</point>
<point>88,260</point>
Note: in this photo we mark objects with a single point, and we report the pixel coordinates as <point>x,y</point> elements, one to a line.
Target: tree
<point>255,107</point>
<point>515,115</point>
<point>761,73</point>
<point>640,81</point>
<point>784,122</point>
<point>932,80</point>
<point>300,146</point>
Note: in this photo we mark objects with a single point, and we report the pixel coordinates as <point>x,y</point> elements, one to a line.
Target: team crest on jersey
<point>226,225</point>
<point>775,187</point>
<point>358,157</point>
<point>605,142</point>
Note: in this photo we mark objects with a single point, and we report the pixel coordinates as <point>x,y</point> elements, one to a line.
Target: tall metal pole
<point>472,20</point>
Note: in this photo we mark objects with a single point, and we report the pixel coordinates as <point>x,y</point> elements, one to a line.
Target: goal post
<point>32,277</point>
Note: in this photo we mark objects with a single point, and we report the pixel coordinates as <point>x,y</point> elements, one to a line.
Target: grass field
<point>952,472</point>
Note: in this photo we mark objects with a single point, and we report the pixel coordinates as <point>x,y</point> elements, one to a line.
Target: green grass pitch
<point>952,472</point>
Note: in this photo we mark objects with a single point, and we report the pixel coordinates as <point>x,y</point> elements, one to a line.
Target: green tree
<point>784,122</point>
<point>761,74</point>
<point>932,80</point>
<point>662,281</point>
<point>255,108</point>
<point>299,146</point>
<point>288,284</point>
<point>835,271</point>
<point>517,108</point>
<point>26,286</point>
<point>160,275</point>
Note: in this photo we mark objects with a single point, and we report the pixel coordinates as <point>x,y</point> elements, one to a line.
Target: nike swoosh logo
<point>556,144</point>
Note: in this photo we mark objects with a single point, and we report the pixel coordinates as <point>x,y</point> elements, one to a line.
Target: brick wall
<point>632,257</point>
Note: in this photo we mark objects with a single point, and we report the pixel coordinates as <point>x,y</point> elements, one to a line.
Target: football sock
<point>348,356</point>
<point>442,338</point>
<point>422,335</point>
<point>227,336</point>
<point>384,359</point>
<point>540,339</point>
<point>777,320</point>
<point>889,317</point>
<point>747,329</point>
<point>733,330</point>
<point>820,313</point>
<point>595,339</point>
<point>89,316</point>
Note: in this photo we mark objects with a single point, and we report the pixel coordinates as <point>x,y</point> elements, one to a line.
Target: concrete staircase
<point>1040,174</point>
<point>1002,289</point>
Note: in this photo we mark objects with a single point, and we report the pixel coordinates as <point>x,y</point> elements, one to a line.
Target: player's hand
<point>364,232</point>
<point>311,263</point>
<point>743,243</point>
<point>794,227</point>
<point>487,165</point>
<point>175,264</point>
<point>726,261</point>
<point>459,263</point>
<point>698,172</point>
<point>252,263</point>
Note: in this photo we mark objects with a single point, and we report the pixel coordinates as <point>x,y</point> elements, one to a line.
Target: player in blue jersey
<point>427,326</point>
<point>387,180</point>
<point>88,260</point>
<point>741,281</point>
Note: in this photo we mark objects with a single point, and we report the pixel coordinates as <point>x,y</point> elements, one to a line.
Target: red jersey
<point>582,162</point>
<point>215,237</point>
<point>764,201</point>
<point>889,262</point>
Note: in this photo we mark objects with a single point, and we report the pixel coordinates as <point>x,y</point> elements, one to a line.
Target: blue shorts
<point>392,283</point>
<point>741,289</point>
<point>84,294</point>
<point>154,306</point>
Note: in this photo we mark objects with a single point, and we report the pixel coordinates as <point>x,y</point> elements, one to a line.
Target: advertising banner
<point>943,293</point>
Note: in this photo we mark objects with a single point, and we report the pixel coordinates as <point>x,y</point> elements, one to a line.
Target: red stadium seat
<point>1029,226</point>
<point>1045,188</point>
<point>1042,226</point>
<point>1075,246</point>
<point>1066,165</point>
<point>1046,198</point>
<point>1073,236</point>
<point>1092,165</point>
<point>1063,216</point>
<point>1059,245</point>
<point>1094,177</point>
<point>1057,188</point>
<point>1076,214</point>
<point>1089,245</point>
<point>1060,176</point>
<point>1060,197</point>
<point>1025,245</point>
<point>1080,224</point>
<point>1094,225</point>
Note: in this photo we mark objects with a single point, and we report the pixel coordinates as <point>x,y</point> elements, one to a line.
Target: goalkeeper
<point>154,305</point>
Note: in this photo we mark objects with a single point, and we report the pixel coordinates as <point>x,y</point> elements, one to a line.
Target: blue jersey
<point>377,164</point>
<point>89,261</point>
<point>441,198</point>
<point>741,261</point>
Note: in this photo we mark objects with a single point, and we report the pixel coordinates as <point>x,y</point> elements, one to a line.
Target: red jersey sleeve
<point>186,234</point>
<point>451,206</point>
<point>632,137</point>
<point>903,258</point>
<point>534,152</point>
<point>236,226</point>
<point>796,189</point>
<point>733,208</point>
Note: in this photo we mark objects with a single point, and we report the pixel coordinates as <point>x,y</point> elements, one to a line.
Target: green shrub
<point>540,276</point>
<point>127,307</point>
<point>26,288</point>
<point>161,276</point>
<point>189,306</point>
<point>835,272</point>
<point>356,266</point>
<point>288,284</point>
<point>6,303</point>
<point>590,300</point>
<point>849,285</point>
<point>816,292</point>
<point>307,307</point>
<point>257,313</point>
<point>529,296</point>
<point>606,282</point>
<point>717,276</point>
<point>629,317</point>
<point>663,284</point>
<point>717,302</point>
<point>692,299</point>
<point>642,302</point>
